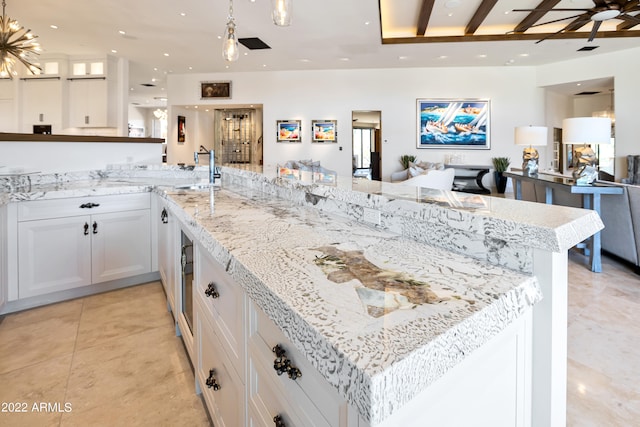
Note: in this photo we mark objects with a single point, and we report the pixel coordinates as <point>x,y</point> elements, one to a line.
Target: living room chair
<point>436,179</point>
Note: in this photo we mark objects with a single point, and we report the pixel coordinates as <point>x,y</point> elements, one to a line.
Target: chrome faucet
<point>213,173</point>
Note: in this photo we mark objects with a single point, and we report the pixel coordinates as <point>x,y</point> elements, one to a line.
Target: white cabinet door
<point>54,255</point>
<point>167,257</point>
<point>42,101</point>
<point>88,103</point>
<point>222,389</point>
<point>121,245</point>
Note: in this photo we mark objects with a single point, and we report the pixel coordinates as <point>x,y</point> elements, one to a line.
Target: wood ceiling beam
<point>425,15</point>
<point>480,15</point>
<point>508,37</point>
<point>535,15</point>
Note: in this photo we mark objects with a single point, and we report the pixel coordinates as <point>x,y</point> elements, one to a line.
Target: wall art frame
<point>182,129</point>
<point>289,131</point>
<point>453,123</point>
<point>215,90</point>
<point>324,131</point>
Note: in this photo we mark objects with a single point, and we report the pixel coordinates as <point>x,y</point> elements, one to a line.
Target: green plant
<point>500,164</point>
<point>405,159</point>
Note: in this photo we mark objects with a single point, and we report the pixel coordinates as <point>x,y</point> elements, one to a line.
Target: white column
<point>549,364</point>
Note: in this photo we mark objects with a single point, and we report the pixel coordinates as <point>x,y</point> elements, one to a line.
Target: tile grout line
<point>73,356</point>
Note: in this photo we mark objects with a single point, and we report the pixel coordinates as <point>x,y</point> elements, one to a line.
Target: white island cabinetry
<point>69,243</point>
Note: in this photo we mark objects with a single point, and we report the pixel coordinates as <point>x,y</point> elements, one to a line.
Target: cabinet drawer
<point>58,208</point>
<point>224,300</point>
<point>222,389</point>
<point>266,401</point>
<point>264,335</point>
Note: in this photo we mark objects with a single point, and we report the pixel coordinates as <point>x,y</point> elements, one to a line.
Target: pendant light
<point>16,43</point>
<point>230,50</point>
<point>281,12</point>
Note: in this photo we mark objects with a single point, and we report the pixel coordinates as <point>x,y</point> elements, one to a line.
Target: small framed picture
<point>182,129</point>
<point>210,90</point>
<point>324,131</point>
<point>289,130</point>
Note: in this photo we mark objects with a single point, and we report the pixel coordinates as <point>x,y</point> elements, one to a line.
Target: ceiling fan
<point>603,10</point>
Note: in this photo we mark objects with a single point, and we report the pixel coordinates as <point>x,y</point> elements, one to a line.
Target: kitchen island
<point>457,273</point>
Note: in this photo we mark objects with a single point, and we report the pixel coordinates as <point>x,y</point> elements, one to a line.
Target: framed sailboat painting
<point>453,123</point>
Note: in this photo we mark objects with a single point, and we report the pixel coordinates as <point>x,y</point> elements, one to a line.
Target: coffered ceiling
<point>160,37</point>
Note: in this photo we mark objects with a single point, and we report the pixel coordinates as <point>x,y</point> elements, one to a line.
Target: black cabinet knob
<point>164,216</point>
<point>95,227</point>
<point>277,420</point>
<point>211,382</point>
<point>283,365</point>
<point>211,291</point>
<point>86,229</point>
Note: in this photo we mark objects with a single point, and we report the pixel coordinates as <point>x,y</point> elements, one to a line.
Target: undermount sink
<point>197,186</point>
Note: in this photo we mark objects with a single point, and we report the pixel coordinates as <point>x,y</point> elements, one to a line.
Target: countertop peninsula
<point>30,137</point>
<point>280,240</point>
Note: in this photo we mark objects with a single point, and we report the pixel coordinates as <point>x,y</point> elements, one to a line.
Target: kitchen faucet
<point>213,174</point>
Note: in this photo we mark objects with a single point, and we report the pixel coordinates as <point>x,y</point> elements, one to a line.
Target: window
<point>362,140</point>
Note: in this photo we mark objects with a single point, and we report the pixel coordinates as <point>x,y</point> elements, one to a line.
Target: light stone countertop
<point>301,264</point>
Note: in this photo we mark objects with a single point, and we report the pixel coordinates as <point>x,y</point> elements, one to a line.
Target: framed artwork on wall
<point>289,131</point>
<point>210,90</point>
<point>182,132</point>
<point>453,123</point>
<point>324,131</point>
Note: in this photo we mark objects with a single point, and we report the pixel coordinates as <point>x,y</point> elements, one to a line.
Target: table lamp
<point>530,135</point>
<point>583,131</point>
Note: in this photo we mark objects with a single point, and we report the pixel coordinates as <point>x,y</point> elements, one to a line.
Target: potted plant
<point>500,165</point>
<point>405,159</point>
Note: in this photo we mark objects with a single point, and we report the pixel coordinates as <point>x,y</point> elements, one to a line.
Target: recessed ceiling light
<point>506,12</point>
<point>191,68</point>
<point>55,27</point>
<point>367,23</point>
<point>344,59</point>
<point>524,54</point>
<point>114,51</point>
<point>442,57</point>
<point>183,14</point>
<point>450,14</point>
<point>153,79</point>
<point>264,65</point>
<point>482,55</point>
<point>305,60</point>
<point>155,68</point>
<point>402,58</point>
<point>130,88</point>
<point>166,54</point>
<point>122,32</point>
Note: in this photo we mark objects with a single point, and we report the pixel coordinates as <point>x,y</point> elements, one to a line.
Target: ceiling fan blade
<point>629,18</point>
<point>551,10</point>
<point>603,3</point>
<point>548,36</point>
<point>554,21</point>
<point>594,30</point>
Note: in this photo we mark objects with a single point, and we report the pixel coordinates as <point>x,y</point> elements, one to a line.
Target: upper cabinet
<point>41,97</point>
<point>92,94</point>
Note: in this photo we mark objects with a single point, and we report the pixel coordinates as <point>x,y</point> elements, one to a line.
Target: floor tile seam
<point>117,337</point>
<point>31,365</point>
<point>73,358</point>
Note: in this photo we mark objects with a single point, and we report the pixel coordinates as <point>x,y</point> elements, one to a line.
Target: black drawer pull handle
<point>164,216</point>
<point>211,381</point>
<point>95,227</point>
<point>89,205</point>
<point>211,291</point>
<point>277,420</point>
<point>86,229</point>
<point>283,365</point>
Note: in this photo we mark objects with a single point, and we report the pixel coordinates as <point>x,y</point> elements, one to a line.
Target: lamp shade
<point>586,130</point>
<point>531,135</point>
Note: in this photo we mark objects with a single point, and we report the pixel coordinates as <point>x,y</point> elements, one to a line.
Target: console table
<point>591,196</point>
<point>468,178</point>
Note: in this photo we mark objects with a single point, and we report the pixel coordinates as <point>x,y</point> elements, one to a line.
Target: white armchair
<point>436,179</point>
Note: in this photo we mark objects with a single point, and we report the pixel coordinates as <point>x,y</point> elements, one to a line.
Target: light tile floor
<point>116,360</point>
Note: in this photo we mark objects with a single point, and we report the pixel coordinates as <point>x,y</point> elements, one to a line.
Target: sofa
<point>619,213</point>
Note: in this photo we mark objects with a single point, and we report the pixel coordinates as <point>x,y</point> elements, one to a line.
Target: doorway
<point>366,146</point>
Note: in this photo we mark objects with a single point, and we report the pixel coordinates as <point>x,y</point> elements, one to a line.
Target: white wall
<point>59,157</point>
<point>198,131</point>
<point>623,66</point>
<point>334,94</point>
